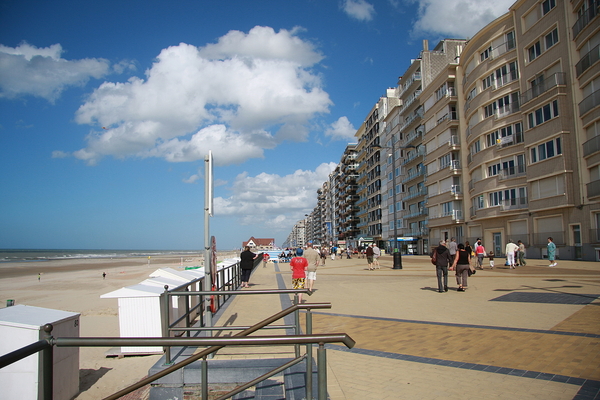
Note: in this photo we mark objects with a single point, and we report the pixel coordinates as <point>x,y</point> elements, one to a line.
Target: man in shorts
<point>298,265</point>
<point>313,257</point>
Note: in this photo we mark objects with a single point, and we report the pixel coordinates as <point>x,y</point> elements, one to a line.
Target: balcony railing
<point>593,188</point>
<point>508,109</point>
<point>591,146</point>
<point>515,203</point>
<point>554,80</point>
<point>510,140</point>
<point>589,102</point>
<point>512,172</point>
<point>587,60</point>
<point>413,174</point>
<point>585,19</point>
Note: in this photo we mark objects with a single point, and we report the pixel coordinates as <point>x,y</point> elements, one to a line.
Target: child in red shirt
<point>298,265</point>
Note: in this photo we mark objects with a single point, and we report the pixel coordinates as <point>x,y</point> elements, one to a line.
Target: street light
<point>396,254</point>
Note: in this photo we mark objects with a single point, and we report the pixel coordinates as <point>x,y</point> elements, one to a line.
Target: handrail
<point>198,342</point>
<point>212,349</point>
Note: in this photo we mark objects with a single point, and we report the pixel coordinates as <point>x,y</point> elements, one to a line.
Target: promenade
<point>529,333</point>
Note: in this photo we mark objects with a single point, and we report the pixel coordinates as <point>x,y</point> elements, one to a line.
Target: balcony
<point>548,83</point>
<point>510,140</point>
<point>593,189</point>
<point>506,110</point>
<point>414,78</point>
<point>417,115</point>
<point>414,174</point>
<point>418,213</point>
<point>514,204</point>
<point>450,116</point>
<point>413,155</point>
<point>415,193</point>
<point>585,19</point>
<point>413,135</point>
<point>587,60</point>
<point>512,172</point>
<point>591,146</point>
<point>589,102</point>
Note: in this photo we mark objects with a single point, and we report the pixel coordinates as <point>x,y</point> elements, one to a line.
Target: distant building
<point>260,244</point>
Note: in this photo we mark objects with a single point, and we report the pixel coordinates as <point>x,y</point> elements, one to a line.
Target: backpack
<point>434,257</point>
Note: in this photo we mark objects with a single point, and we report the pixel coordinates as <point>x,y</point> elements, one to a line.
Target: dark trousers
<point>246,275</point>
<point>442,272</point>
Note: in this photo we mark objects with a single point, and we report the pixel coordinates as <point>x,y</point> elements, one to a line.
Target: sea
<point>29,255</point>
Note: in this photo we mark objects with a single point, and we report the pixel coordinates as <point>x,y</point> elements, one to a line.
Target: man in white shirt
<point>511,247</point>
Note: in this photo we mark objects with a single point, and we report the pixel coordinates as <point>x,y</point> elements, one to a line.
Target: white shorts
<point>311,275</point>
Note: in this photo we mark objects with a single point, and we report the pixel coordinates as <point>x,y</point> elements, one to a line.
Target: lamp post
<point>396,254</point>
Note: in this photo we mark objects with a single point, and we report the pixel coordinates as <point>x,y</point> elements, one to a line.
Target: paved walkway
<point>529,333</point>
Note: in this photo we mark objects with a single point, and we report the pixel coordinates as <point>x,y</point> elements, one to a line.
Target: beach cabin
<point>139,315</point>
<point>21,326</point>
<point>140,310</point>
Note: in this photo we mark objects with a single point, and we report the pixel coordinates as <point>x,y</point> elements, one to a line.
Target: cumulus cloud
<point>272,200</point>
<point>359,9</point>
<point>456,18</point>
<point>41,72</point>
<point>243,94</point>
<point>341,129</point>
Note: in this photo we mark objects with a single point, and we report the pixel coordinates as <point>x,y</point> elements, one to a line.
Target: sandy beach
<point>76,285</point>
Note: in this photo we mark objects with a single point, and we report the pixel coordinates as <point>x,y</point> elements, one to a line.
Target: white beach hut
<point>139,315</point>
<point>22,325</point>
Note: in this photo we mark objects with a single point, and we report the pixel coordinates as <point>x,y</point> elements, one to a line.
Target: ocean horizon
<point>30,255</point>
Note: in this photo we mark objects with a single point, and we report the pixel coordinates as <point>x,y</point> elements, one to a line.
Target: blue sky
<point>107,110</point>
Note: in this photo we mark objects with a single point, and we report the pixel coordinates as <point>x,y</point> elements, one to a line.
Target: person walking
<point>551,252</point>
<point>298,265</point>
<point>521,254</point>
<point>480,253</point>
<point>491,257</point>
<point>247,264</point>
<point>312,257</point>
<point>452,247</point>
<point>323,255</point>
<point>376,255</point>
<point>510,250</point>
<point>369,253</point>
<point>443,260</point>
<point>462,266</point>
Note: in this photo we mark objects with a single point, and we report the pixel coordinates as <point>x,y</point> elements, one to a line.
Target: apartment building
<point>497,137</point>
<point>525,133</point>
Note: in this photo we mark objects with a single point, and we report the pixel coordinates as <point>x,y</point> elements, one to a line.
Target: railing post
<point>322,371</point>
<point>47,364</point>
<point>204,364</point>
<point>165,323</point>
<point>309,375</point>
<point>187,312</point>
<point>297,324</point>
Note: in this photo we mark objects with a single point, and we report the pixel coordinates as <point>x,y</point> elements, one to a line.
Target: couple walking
<point>460,262</point>
<point>304,266</point>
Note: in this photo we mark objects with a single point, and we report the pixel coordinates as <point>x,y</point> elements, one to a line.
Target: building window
<point>543,114</point>
<point>486,53</point>
<point>510,40</point>
<point>547,6</point>
<point>548,187</point>
<point>546,150</point>
<point>493,170</point>
<point>551,38</point>
<point>534,51</point>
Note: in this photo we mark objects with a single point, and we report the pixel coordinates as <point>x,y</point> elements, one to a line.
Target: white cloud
<point>359,9</point>
<point>239,96</point>
<point>41,72</point>
<point>456,18</point>
<point>341,129</point>
<point>273,200</point>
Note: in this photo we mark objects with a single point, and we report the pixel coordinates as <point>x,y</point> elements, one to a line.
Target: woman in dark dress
<point>247,264</point>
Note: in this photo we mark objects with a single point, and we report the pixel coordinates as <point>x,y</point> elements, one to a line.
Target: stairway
<point>225,375</point>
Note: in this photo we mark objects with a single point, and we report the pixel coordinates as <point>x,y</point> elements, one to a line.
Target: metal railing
<point>215,344</point>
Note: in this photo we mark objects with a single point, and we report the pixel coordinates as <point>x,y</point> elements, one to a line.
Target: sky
<point>108,109</point>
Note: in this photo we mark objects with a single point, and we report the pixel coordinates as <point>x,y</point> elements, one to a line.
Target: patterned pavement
<point>533,332</point>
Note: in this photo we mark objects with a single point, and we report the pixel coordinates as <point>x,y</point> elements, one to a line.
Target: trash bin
<point>397,260</point>
<point>10,303</point>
